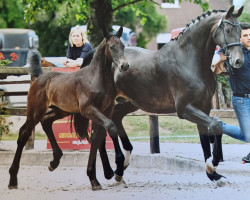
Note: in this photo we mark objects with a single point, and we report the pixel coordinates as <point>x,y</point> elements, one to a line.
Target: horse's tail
<point>34,62</point>
<point>81,126</point>
<point>88,58</point>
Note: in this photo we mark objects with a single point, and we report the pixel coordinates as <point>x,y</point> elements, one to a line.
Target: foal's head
<point>227,35</point>
<point>115,49</point>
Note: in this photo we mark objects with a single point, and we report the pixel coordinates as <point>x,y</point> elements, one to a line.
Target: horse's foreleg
<point>108,171</point>
<point>197,116</point>
<point>211,164</point>
<point>99,118</point>
<point>47,122</point>
<point>207,127</point>
<point>120,111</point>
<point>97,140</point>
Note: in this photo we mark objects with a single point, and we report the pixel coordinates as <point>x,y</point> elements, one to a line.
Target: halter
<point>225,48</point>
<point>227,45</point>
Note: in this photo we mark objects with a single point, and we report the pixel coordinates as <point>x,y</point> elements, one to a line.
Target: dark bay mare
<point>178,78</point>
<point>89,91</point>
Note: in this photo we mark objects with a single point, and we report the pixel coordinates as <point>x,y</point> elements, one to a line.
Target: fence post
<point>154,134</point>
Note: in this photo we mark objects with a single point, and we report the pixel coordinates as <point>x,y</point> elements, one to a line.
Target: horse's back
<point>144,83</point>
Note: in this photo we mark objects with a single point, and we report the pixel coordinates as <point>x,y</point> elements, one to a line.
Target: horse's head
<point>115,49</point>
<point>227,36</point>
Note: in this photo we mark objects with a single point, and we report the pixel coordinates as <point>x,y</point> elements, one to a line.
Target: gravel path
<point>71,183</point>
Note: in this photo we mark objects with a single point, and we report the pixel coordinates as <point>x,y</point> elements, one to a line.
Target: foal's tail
<point>81,125</point>
<point>34,62</point>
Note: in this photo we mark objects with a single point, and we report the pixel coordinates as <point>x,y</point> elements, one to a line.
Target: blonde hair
<point>76,28</point>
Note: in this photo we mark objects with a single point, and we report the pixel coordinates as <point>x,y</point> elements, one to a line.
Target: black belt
<point>241,95</point>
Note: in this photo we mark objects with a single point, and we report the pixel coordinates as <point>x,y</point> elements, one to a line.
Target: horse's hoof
<point>125,167</point>
<point>51,168</point>
<point>210,168</point>
<point>118,178</point>
<point>127,160</point>
<point>12,187</point>
<point>97,187</point>
<point>109,175</point>
<point>222,182</point>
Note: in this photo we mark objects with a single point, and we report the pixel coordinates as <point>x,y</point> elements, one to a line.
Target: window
<point>171,5</point>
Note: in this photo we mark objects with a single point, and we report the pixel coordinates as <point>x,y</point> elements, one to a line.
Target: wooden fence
<point>153,118</point>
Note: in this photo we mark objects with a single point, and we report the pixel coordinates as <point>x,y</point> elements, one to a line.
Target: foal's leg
<point>108,171</point>
<point>93,113</point>
<point>47,122</point>
<point>97,140</point>
<point>34,115</point>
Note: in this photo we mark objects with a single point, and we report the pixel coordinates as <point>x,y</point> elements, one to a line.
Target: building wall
<point>179,17</point>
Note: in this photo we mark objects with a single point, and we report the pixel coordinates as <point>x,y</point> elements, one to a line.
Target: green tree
<point>147,18</point>
<point>11,14</point>
<point>245,17</point>
<point>97,13</point>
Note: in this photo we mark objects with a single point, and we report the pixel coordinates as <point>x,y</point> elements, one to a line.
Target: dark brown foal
<point>89,91</point>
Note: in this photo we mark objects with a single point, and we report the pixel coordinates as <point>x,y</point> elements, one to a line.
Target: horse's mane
<point>88,58</point>
<point>199,18</point>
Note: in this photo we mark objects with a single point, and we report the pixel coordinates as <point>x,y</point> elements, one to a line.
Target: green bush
<point>4,125</point>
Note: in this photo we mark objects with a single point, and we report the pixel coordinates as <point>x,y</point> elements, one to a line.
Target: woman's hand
<point>222,56</point>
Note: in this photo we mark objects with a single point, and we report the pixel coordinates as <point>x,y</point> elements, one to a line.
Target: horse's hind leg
<point>36,108</point>
<point>120,111</point>
<point>47,122</point>
<point>24,134</point>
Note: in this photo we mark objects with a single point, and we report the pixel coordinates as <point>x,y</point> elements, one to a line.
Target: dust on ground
<point>72,183</point>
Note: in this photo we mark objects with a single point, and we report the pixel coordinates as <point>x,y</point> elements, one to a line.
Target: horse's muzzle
<point>236,63</point>
<point>124,66</point>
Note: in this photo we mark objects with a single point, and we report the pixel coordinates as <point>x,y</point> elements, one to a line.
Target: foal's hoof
<point>109,175</point>
<point>96,187</point>
<point>118,178</point>
<point>12,187</point>
<point>51,168</point>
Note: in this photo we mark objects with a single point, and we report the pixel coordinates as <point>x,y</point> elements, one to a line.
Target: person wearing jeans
<point>239,81</point>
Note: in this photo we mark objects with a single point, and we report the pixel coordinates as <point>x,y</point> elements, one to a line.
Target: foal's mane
<point>96,51</point>
<point>198,19</point>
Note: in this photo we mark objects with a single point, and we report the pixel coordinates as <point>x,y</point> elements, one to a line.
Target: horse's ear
<point>239,12</point>
<point>119,32</point>
<point>105,33</point>
<point>229,12</point>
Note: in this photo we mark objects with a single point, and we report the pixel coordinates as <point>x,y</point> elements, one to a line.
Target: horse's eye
<point>112,46</point>
<point>228,30</point>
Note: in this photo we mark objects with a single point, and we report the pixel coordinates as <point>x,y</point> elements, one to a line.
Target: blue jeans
<point>241,107</point>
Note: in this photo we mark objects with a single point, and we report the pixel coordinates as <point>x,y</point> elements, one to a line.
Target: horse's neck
<point>101,64</point>
<point>197,39</point>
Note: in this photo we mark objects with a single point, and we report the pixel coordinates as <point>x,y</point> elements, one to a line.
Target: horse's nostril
<point>124,66</point>
<point>238,61</point>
